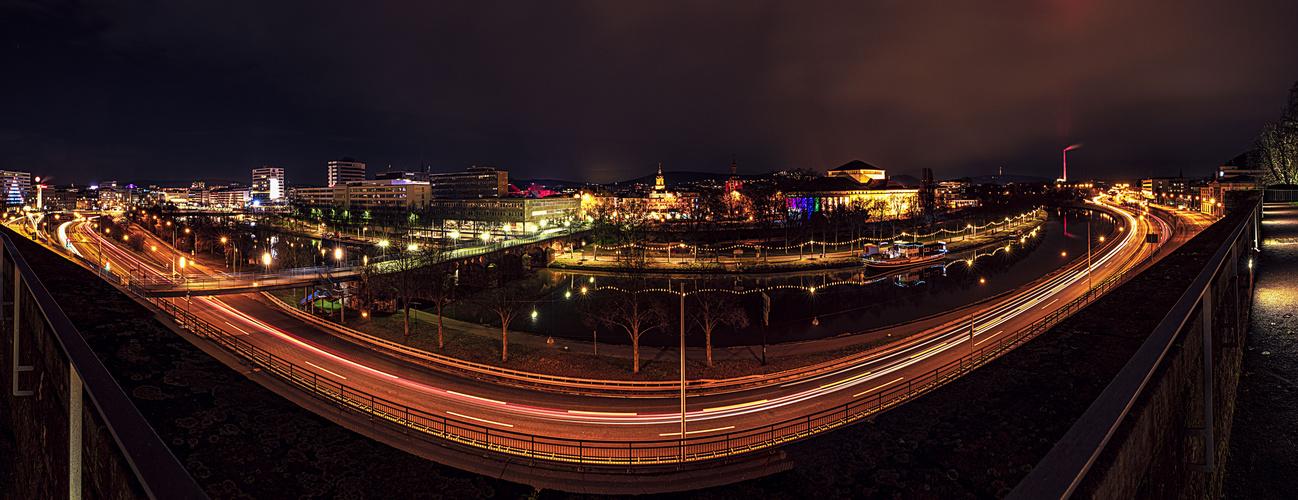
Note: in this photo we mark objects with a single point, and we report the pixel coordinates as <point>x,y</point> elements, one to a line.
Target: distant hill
<point>1006,179</point>
<point>549,183</point>
<point>909,181</point>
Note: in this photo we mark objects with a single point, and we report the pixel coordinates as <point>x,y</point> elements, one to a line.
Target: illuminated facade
<point>17,185</point>
<point>268,184</point>
<point>855,182</point>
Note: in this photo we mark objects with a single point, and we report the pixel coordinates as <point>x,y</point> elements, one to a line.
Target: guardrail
<point>76,369</point>
<point>557,450</point>
<point>1063,469</point>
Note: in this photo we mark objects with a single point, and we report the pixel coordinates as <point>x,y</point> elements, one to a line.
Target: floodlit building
<point>855,181</point>
<point>344,170</point>
<point>394,194</point>
<point>268,184</point>
<point>230,197</point>
<point>509,215</point>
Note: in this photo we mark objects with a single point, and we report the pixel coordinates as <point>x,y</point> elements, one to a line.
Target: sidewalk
<point>1263,453</point>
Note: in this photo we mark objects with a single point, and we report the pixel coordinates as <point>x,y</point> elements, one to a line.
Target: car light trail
<point>245,332</point>
<point>913,356</point>
<point>750,403</point>
<point>844,381</point>
<point>601,413</point>
<point>878,387</point>
<point>698,432</point>
<point>324,370</point>
<point>461,415</point>
<point>492,401</point>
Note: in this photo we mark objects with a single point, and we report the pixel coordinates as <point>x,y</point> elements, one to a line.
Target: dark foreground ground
<point>1263,460</point>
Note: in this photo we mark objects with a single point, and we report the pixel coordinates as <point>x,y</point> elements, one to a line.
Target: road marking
<point>844,381</point>
<point>988,338</point>
<point>1051,302</point>
<point>326,371</point>
<point>881,386</point>
<point>602,413</point>
<point>927,350</point>
<point>731,407</point>
<point>502,403</point>
<point>245,332</point>
<point>698,432</point>
<point>479,419</point>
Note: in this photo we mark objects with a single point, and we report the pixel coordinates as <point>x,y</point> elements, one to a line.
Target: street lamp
<point>265,259</point>
<point>338,255</point>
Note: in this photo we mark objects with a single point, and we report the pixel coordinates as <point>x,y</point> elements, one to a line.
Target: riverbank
<point>812,261</point>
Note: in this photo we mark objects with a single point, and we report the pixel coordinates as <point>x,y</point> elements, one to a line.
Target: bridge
<point>1207,292</point>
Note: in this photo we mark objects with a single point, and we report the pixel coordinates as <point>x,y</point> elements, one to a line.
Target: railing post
<point>17,319</point>
<point>74,432</point>
<point>1207,430</point>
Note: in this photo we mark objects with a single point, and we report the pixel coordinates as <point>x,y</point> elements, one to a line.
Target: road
<point>500,408</point>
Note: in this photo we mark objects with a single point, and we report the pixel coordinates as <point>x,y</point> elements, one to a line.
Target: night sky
<point>605,90</point>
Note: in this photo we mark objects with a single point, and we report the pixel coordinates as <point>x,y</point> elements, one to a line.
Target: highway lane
<point>624,419</point>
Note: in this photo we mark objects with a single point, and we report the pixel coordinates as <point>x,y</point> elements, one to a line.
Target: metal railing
<point>559,450</point>
<point>1063,469</point>
<point>159,473</point>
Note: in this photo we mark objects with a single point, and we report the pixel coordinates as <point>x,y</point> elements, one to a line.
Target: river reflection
<point>844,301</point>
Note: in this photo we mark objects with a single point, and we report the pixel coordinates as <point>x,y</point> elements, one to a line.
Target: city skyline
<point>599,93</point>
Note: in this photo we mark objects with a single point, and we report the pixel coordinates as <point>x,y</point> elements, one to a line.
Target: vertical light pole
<point>1088,257</point>
<point>972,328</point>
<point>682,372</point>
<point>225,252</point>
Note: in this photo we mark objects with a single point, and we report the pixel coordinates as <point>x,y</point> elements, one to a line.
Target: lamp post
<point>682,372</point>
<point>225,252</point>
<point>972,328</point>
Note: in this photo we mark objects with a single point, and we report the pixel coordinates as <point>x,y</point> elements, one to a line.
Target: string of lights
<point>809,289</point>
<point>696,248</point>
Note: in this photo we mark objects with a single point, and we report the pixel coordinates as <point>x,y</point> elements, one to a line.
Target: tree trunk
<point>635,354</point>
<point>708,335</point>
<point>407,319</point>
<point>440,344</point>
<point>504,341</point>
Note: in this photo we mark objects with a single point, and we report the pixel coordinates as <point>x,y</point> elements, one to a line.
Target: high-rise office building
<point>268,183</point>
<point>477,182</point>
<point>344,170</point>
<point>16,185</point>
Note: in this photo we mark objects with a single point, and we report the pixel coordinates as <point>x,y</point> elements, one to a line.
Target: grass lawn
<point>554,361</point>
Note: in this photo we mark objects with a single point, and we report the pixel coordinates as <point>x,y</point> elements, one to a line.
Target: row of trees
<point>636,311</point>
<point>1277,147</point>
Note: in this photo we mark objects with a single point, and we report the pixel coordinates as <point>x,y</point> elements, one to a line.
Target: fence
<point>1060,473</point>
<point>49,392</point>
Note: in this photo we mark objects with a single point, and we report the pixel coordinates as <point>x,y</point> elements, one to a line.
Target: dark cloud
<point>605,90</point>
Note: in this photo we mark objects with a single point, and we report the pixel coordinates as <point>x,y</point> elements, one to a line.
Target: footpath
<point>1263,453</point>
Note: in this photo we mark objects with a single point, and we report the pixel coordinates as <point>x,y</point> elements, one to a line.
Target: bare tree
<point>715,308</point>
<point>632,311</point>
<point>1277,147</point>
<point>506,301</point>
<point>441,291</point>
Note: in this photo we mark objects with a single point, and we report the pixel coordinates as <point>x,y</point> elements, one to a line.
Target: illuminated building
<point>855,182</point>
